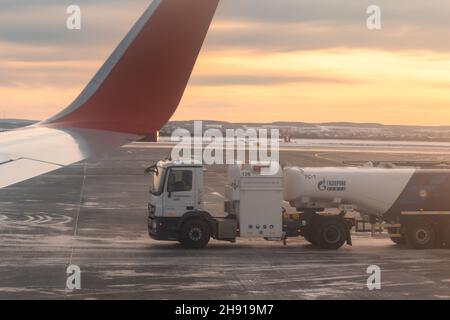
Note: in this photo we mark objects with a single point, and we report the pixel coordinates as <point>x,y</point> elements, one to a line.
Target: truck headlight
<point>154,225</point>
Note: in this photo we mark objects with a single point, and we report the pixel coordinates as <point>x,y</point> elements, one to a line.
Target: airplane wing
<point>132,96</point>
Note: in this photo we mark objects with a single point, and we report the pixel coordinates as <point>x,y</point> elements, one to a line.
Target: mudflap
<point>349,238</point>
<point>349,224</point>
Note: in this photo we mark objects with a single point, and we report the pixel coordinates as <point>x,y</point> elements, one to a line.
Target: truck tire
<point>421,234</point>
<point>309,236</point>
<point>332,234</point>
<point>195,234</point>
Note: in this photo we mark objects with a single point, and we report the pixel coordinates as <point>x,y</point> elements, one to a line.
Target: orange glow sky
<point>263,60</point>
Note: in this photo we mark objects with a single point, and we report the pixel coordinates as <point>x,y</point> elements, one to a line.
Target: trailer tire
<point>397,240</point>
<point>446,237</point>
<point>400,241</point>
<point>195,234</point>
<point>421,234</point>
<point>332,234</point>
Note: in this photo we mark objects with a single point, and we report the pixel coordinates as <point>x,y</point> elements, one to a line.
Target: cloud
<point>303,57</point>
<point>433,12</point>
<point>39,74</point>
<point>260,36</point>
<point>43,23</point>
<point>305,25</point>
<point>264,80</point>
<point>268,25</point>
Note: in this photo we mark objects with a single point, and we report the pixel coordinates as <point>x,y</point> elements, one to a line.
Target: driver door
<point>179,195</point>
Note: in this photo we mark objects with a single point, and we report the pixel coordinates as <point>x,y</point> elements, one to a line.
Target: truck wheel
<point>195,234</point>
<point>309,236</point>
<point>332,234</point>
<point>421,234</point>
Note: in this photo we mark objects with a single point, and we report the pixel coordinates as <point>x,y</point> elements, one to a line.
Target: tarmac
<point>94,215</point>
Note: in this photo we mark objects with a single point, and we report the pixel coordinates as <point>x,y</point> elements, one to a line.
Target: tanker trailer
<point>415,203</point>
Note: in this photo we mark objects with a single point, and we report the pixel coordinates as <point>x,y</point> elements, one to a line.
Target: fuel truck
<point>414,204</point>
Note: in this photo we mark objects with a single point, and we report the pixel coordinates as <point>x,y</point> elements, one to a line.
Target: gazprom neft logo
<point>332,185</point>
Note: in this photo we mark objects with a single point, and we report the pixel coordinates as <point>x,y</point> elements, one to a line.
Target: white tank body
<point>369,190</point>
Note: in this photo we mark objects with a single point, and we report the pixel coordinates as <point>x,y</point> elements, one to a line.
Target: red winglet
<point>140,86</point>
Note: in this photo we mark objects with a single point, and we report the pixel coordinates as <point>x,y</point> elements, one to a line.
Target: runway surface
<point>93,215</point>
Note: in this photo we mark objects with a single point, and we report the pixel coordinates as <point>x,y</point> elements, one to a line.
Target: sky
<point>262,61</point>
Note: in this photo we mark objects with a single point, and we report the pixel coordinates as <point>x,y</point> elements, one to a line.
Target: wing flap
<point>28,152</point>
<point>5,158</point>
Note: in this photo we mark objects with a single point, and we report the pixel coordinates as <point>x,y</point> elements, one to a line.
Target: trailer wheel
<point>195,234</point>
<point>309,236</point>
<point>421,234</point>
<point>332,234</point>
<point>398,240</point>
<point>446,232</point>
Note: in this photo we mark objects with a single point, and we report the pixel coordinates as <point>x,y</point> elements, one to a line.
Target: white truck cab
<point>177,188</point>
<point>176,199</point>
<point>176,211</point>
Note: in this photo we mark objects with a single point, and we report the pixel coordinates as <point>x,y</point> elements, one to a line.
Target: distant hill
<point>304,130</point>
<point>310,124</point>
<point>331,130</point>
<point>9,124</point>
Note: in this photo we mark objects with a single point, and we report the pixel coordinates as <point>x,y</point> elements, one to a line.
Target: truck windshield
<point>158,181</point>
